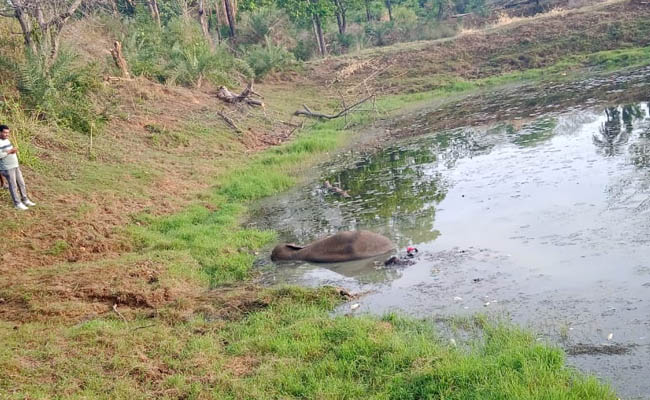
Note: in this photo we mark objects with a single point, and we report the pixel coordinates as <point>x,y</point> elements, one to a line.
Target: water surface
<point>544,221</point>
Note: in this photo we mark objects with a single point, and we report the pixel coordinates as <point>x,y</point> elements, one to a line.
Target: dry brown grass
<point>517,44</point>
<point>505,19</point>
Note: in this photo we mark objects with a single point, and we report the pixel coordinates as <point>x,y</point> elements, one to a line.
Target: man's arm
<point>4,154</point>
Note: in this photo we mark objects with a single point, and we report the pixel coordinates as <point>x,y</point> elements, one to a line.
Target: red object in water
<point>411,249</point>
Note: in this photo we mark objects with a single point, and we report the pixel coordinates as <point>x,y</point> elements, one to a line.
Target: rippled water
<point>546,222</point>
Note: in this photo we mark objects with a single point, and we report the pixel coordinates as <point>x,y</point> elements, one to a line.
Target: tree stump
<point>119,59</point>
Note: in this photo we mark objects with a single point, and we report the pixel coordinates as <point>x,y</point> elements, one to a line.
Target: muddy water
<point>544,222</point>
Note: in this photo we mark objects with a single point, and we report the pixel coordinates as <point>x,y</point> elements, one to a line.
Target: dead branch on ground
<point>245,96</point>
<point>229,121</point>
<point>307,112</point>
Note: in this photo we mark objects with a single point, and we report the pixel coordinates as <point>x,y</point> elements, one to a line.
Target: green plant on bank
<point>289,348</point>
<point>179,54</point>
<point>63,93</point>
<point>267,58</point>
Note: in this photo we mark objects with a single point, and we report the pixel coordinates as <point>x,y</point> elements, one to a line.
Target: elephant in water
<point>343,246</point>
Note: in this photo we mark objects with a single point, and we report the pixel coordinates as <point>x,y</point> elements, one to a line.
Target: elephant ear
<point>294,246</point>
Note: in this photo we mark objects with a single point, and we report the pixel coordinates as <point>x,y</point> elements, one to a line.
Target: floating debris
<point>355,306</point>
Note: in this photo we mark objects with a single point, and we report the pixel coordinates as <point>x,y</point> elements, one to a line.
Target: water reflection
<point>394,191</point>
<point>397,191</point>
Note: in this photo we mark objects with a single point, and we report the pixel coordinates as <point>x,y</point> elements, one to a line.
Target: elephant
<point>343,246</point>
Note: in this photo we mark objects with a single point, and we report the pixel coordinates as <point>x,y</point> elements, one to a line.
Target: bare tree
<point>230,15</point>
<point>155,11</point>
<point>41,22</point>
<point>204,23</point>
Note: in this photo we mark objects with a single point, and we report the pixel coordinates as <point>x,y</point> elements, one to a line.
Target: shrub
<point>179,54</point>
<point>305,49</point>
<point>268,58</point>
<point>260,24</point>
<point>63,92</point>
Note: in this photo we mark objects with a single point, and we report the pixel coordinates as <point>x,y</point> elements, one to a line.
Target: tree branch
<point>309,113</point>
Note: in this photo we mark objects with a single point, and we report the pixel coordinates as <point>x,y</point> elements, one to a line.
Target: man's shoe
<point>21,206</point>
<point>29,203</point>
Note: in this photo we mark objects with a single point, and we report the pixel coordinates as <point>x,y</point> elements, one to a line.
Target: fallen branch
<point>143,327</point>
<point>346,110</point>
<point>229,97</point>
<point>229,121</point>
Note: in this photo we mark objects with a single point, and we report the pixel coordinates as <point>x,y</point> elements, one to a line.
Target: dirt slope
<point>519,45</point>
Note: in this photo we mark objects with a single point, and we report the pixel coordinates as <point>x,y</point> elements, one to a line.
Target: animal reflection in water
<point>343,246</point>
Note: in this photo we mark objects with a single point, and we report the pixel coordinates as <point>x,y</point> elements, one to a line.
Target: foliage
<point>267,58</point>
<point>179,53</point>
<point>61,93</point>
<point>263,23</point>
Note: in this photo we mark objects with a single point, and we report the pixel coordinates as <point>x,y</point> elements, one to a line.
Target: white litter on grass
<point>610,336</point>
<point>355,306</point>
<point>486,304</point>
<point>458,298</point>
<point>452,342</point>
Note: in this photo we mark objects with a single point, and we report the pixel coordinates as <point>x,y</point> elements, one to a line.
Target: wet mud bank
<point>538,214</point>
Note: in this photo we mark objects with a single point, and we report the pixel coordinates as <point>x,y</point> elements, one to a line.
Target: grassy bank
<point>282,343</point>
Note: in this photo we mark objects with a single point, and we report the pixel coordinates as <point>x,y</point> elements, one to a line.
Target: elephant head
<point>286,251</point>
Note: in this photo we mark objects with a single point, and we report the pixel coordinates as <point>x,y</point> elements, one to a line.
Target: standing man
<point>11,171</point>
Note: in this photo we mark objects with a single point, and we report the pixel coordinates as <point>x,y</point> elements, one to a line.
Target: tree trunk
<point>340,16</point>
<point>217,21</point>
<point>389,6</point>
<point>318,30</point>
<point>204,24</point>
<point>231,17</point>
<point>368,16</point>
<point>155,12</point>
<point>114,8</point>
<point>26,27</point>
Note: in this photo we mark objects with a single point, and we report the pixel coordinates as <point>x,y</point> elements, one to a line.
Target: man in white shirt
<point>10,170</point>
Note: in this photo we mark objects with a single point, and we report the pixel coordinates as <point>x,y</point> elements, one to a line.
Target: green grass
<point>211,232</point>
<point>292,349</point>
<point>565,69</point>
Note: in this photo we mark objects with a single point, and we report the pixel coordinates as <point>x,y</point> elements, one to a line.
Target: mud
<point>539,216</point>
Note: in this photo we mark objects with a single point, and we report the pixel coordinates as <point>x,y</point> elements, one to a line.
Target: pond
<point>544,221</point>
